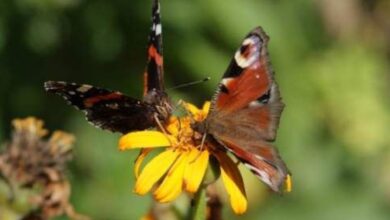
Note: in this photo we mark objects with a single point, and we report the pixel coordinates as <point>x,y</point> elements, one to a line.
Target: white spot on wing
<point>248,41</point>
<point>265,177</point>
<point>226,81</point>
<point>255,104</point>
<point>259,157</point>
<point>84,88</point>
<point>158,29</point>
<point>262,174</point>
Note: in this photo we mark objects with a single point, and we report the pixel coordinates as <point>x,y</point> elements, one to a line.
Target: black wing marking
<point>110,110</point>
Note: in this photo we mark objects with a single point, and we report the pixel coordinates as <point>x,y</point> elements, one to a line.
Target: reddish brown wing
<point>260,157</point>
<point>248,76</point>
<point>245,112</point>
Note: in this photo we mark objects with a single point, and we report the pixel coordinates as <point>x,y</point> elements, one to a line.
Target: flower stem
<point>214,204</point>
<point>198,206</point>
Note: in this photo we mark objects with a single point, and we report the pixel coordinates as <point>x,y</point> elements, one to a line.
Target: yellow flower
<point>183,164</point>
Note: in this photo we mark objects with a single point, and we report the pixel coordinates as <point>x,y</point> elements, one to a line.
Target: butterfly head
<point>161,102</point>
<point>199,127</point>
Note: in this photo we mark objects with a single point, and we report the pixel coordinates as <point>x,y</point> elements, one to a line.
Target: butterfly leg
<point>161,127</point>
<point>200,147</point>
<point>203,141</point>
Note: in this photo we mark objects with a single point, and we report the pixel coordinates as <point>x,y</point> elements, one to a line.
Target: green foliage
<point>334,79</point>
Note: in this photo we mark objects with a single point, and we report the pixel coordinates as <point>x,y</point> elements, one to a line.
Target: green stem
<point>198,206</point>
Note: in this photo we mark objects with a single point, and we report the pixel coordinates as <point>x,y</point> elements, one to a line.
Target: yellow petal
<point>206,108</point>
<point>288,184</point>
<point>195,169</point>
<point>197,114</point>
<point>191,108</point>
<point>237,196</point>
<point>138,161</point>
<point>143,139</point>
<point>173,125</point>
<point>171,187</point>
<point>154,170</point>
<point>234,185</point>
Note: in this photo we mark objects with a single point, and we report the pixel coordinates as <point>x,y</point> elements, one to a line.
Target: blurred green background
<point>331,60</point>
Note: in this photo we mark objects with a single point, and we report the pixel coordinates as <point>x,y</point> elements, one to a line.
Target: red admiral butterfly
<point>115,111</point>
<point>244,114</point>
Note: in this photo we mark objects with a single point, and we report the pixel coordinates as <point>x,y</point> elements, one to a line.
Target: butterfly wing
<point>246,109</point>
<point>114,111</point>
<point>110,110</point>
<point>154,73</point>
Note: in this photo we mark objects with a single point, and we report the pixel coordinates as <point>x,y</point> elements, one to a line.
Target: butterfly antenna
<point>190,83</point>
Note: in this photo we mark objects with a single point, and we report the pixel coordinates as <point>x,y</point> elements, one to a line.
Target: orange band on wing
<point>153,53</point>
<point>91,101</point>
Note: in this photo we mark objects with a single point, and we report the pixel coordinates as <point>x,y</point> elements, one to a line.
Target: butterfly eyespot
<point>248,53</point>
<point>243,48</point>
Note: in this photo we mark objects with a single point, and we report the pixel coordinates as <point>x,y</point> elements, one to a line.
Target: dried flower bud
<point>29,161</point>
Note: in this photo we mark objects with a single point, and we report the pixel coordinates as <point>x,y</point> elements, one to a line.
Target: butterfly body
<point>245,111</point>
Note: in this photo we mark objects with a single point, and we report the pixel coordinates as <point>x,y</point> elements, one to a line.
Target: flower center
<point>183,137</point>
